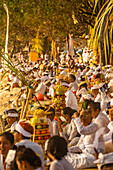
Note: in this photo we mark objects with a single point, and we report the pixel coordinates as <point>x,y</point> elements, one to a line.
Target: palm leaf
<point>4,74</point>
<point>103,18</point>
<point>9,63</point>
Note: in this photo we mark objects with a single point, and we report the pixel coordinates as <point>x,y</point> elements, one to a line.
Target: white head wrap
<point>12,115</point>
<point>22,131</point>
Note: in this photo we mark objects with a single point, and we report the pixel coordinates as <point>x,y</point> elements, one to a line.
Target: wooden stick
<point>23,105</point>
<point>26,104</point>
<point>2,124</point>
<point>17,104</point>
<point>28,98</point>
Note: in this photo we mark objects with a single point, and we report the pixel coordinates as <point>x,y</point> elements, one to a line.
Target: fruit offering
<point>59,97</point>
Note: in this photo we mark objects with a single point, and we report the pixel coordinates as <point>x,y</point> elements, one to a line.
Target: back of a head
<point>9,136</point>
<point>28,155</point>
<point>94,106</point>
<point>57,146</point>
<point>68,110</point>
<point>51,109</point>
<point>73,76</point>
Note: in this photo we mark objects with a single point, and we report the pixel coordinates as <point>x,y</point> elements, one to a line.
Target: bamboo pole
<point>28,98</point>
<point>17,104</point>
<point>2,124</point>
<point>23,103</point>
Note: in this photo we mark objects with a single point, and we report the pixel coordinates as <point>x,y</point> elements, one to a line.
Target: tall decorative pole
<point>6,43</point>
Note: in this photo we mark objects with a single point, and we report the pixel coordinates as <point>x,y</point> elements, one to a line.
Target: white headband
<point>12,115</point>
<point>21,130</point>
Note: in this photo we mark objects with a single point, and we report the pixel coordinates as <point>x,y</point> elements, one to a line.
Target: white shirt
<point>108,136</point>
<point>98,98</point>
<point>1,162</point>
<point>73,86</point>
<point>34,146</point>
<point>53,127</point>
<point>86,139</point>
<point>62,164</point>
<point>41,88</point>
<point>13,126</point>
<point>70,131</point>
<point>71,100</point>
<point>51,91</point>
<point>102,121</point>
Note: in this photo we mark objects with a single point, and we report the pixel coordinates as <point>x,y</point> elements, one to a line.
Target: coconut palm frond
<point>4,74</point>
<point>20,63</point>
<point>101,28</point>
<point>9,64</point>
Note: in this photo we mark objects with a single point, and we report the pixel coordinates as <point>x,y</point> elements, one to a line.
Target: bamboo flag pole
<point>23,103</point>
<point>6,43</point>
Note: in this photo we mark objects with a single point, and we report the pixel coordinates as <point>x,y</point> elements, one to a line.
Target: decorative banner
<point>70,46</point>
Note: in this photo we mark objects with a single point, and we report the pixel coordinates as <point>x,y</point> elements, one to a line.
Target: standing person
<point>12,117</point>
<point>22,136</point>
<point>70,99</point>
<point>73,84</point>
<point>56,151</point>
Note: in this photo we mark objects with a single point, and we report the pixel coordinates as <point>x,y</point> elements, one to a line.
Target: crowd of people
<point>82,136</point>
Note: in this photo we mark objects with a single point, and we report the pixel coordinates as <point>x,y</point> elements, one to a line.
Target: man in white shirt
<point>11,117</point>
<point>100,119</point>
<point>41,87</point>
<point>108,138</point>
<point>71,100</point>
<point>95,92</point>
<point>22,135</point>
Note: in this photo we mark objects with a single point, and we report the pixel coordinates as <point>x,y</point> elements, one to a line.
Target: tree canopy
<point>51,18</point>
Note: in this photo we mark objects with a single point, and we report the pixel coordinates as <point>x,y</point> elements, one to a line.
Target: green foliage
<point>101,31</point>
<point>10,65</point>
<point>53,18</point>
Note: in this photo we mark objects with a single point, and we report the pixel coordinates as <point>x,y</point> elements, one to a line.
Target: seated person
<point>11,117</point>
<point>25,158</point>
<point>82,90</point>
<point>53,124</point>
<point>56,151</point>
<point>105,162</point>
<point>6,144</point>
<point>82,155</point>
<point>108,138</point>
<point>70,132</point>
<point>22,136</point>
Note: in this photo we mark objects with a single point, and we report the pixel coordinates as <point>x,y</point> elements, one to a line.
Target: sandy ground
<point>7,97</point>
